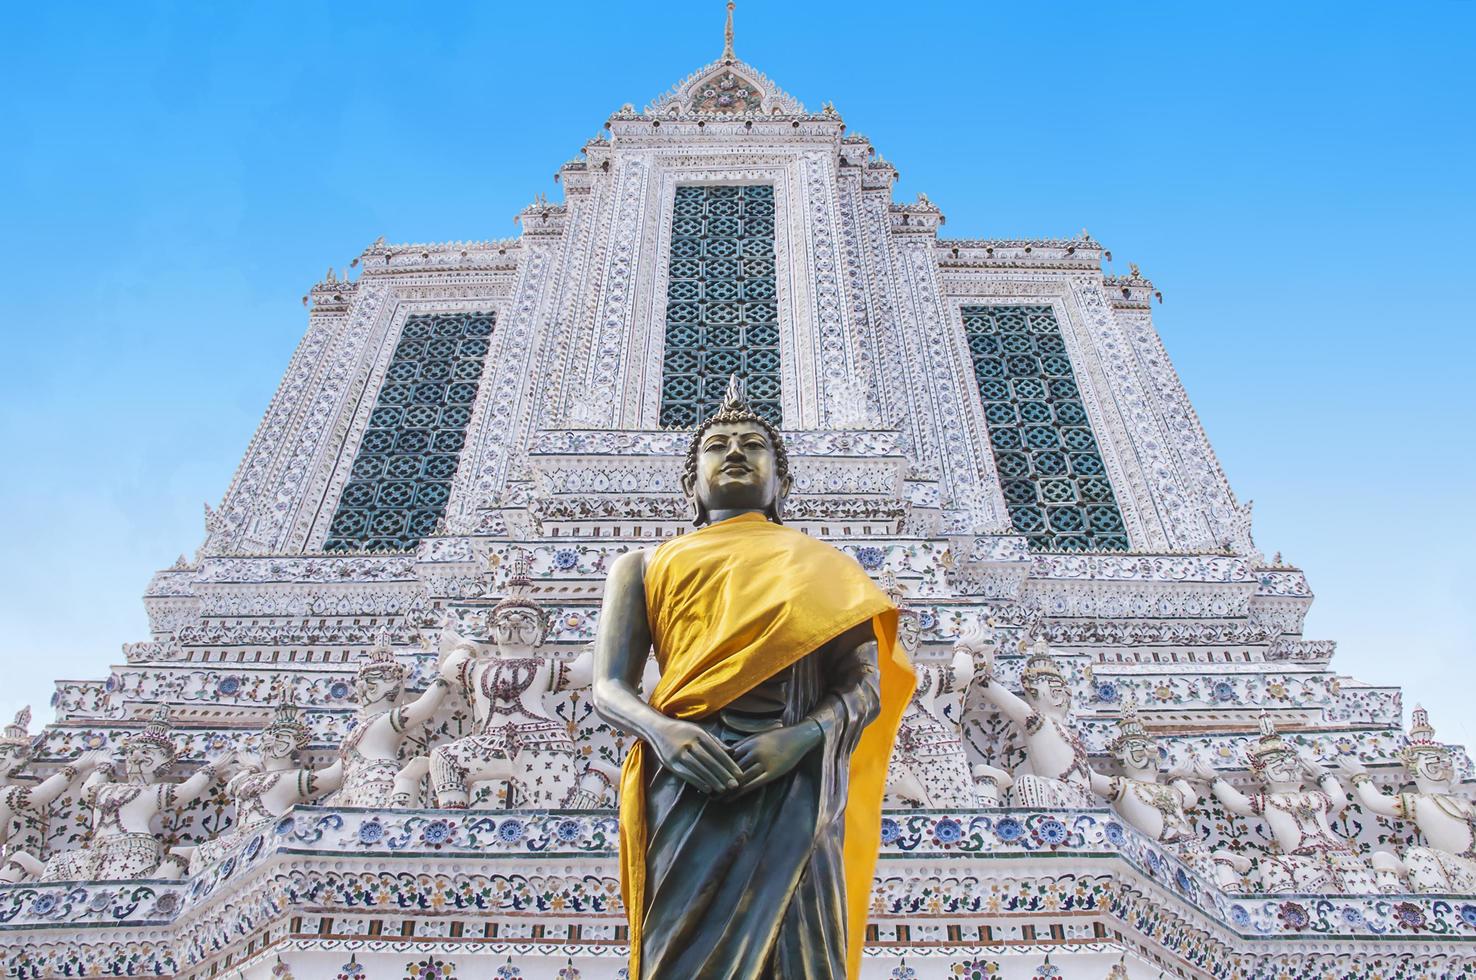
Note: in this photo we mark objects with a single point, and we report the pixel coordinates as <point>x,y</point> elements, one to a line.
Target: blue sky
<point>1295,177</point>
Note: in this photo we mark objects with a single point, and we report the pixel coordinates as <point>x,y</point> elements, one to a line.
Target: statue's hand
<point>88,761</point>
<point>1311,765</point>
<point>1200,771</point>
<point>1352,765</point>
<point>980,645</point>
<point>768,755</point>
<point>695,755</point>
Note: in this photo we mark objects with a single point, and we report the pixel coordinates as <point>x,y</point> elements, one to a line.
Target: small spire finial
<point>735,399</point>
<point>728,35</point>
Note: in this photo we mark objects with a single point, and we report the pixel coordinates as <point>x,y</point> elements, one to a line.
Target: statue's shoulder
<point>634,562</point>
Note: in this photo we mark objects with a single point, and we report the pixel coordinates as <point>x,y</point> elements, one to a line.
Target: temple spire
<point>728,35</point>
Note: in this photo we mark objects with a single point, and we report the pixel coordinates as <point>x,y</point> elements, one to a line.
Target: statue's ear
<point>689,488</point>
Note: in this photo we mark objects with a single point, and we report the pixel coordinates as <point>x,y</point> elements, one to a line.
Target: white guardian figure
<point>1446,819</point>
<point>518,739</point>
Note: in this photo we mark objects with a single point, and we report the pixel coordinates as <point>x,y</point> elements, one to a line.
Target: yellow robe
<point>729,606</point>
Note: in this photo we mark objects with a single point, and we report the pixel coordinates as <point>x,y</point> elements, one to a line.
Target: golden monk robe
<point>750,807</point>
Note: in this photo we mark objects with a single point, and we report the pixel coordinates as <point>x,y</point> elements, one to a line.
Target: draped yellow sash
<point>729,606</point>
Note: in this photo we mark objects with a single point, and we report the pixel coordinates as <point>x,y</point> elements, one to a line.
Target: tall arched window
<point>721,314</point>
<point>401,478</point>
<point>1054,483</point>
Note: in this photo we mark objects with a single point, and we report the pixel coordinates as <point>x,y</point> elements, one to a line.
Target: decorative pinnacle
<point>728,35</point>
<point>18,733</point>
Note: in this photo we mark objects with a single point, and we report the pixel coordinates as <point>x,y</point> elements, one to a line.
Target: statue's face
<point>145,761</point>
<point>1137,755</point>
<point>12,761</point>
<point>375,686</point>
<point>1049,696</point>
<point>517,631</point>
<point>1434,767</point>
<point>278,745</point>
<point>736,469</point>
<point>1283,767</point>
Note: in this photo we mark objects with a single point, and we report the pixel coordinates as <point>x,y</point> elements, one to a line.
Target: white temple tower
<point>992,427</point>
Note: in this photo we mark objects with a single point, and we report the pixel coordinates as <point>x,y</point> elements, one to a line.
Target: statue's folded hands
<point>690,752</point>
<point>768,755</point>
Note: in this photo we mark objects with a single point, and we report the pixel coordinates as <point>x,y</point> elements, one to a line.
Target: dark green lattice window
<point>1055,485</point>
<point>401,478</point>
<point>721,314</point>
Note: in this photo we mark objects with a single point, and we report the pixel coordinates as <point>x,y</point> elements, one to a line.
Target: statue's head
<point>736,461</point>
<point>16,745</point>
<point>1428,761</point>
<point>1133,746</point>
<point>149,754</point>
<point>1274,759</point>
<point>381,677</point>
<point>1042,683</point>
<point>285,735</point>
<point>518,625</point>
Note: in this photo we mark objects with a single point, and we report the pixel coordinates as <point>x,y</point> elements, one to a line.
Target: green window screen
<point>402,475</point>
<point>1054,483</point>
<point>721,314</point>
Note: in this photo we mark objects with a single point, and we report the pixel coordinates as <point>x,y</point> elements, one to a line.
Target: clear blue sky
<point>1295,177</point>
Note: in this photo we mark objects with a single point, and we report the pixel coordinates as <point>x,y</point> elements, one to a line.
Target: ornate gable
<point>727,86</point>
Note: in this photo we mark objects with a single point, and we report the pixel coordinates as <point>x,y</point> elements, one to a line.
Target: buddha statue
<point>750,802</point>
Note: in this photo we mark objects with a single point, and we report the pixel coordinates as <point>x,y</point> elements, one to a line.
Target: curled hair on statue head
<point>735,408</point>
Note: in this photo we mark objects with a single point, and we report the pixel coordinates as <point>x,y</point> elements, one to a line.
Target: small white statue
<point>18,797</point>
<point>1446,819</point>
<point>368,766</point>
<point>929,767</point>
<point>122,844</point>
<point>1054,773</point>
<point>1159,809</point>
<point>270,787</point>
<point>1139,796</point>
<point>517,739</point>
<point>1312,857</point>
